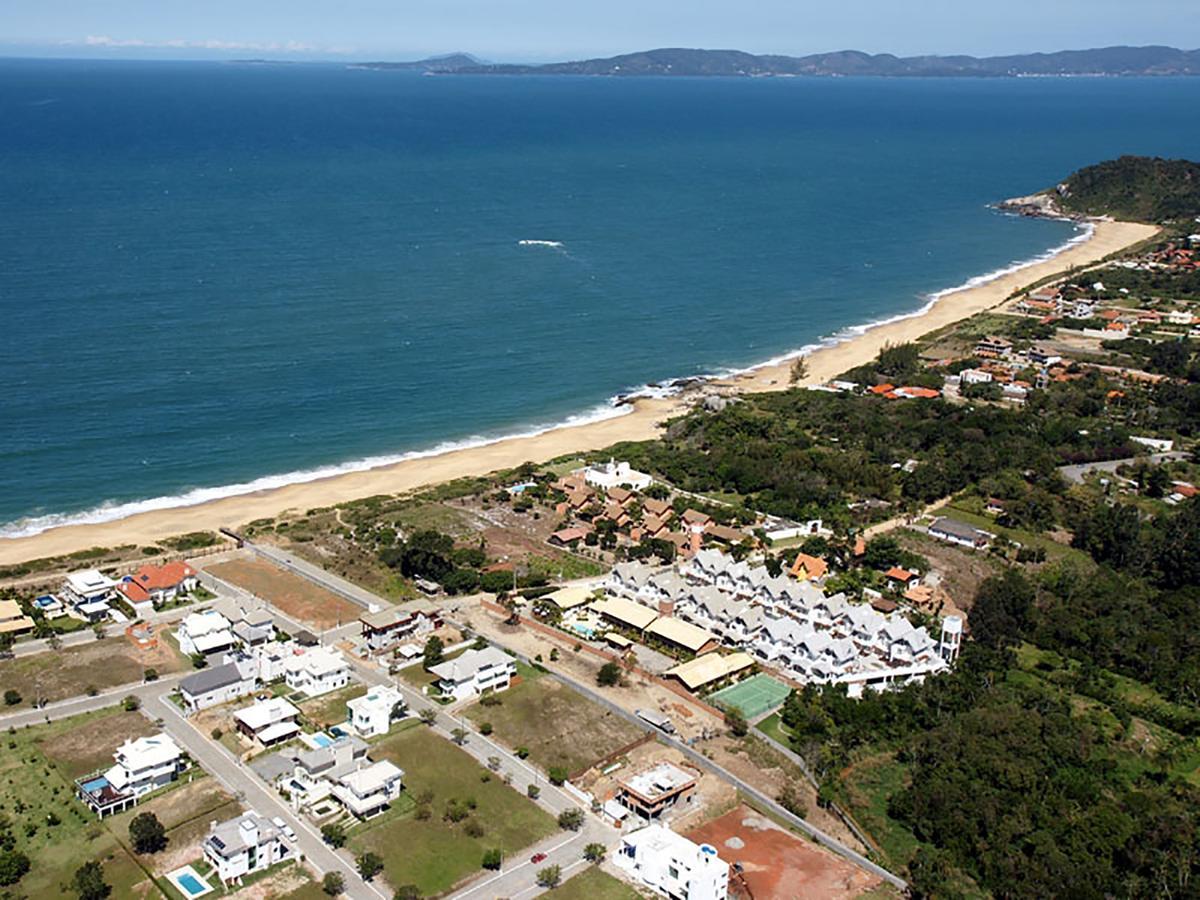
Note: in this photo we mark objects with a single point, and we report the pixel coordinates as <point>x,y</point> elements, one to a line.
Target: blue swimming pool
<point>321,739</point>
<point>191,884</point>
<point>95,784</point>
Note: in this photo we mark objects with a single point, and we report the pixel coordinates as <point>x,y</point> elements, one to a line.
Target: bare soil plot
<point>185,811</point>
<point>90,744</point>
<point>558,726</point>
<point>961,571</point>
<point>777,865</point>
<point>294,596</point>
<point>72,671</point>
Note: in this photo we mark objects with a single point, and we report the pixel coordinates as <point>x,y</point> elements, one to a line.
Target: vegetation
<point>1141,188</point>
<point>333,884</point>
<point>608,675</point>
<point>147,834</point>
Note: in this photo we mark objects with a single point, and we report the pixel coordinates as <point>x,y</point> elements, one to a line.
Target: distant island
<point>1106,61</point>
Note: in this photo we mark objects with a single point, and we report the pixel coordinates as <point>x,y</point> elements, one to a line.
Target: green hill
<point>1137,188</point>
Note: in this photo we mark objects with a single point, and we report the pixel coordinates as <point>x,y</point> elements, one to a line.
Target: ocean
<point>217,277</point>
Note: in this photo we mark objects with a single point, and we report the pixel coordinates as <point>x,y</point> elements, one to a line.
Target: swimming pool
<point>318,740</point>
<point>189,882</point>
<point>95,784</point>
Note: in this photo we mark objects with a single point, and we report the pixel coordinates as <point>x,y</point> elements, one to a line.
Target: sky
<point>542,30</point>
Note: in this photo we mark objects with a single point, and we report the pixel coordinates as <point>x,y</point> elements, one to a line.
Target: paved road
<point>111,630</point>
<point>1076,474</point>
<point>75,706</point>
<point>240,781</point>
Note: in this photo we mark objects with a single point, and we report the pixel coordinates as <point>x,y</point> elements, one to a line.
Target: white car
<point>284,827</point>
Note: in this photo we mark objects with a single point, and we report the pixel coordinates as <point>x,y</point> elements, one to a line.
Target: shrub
<point>369,865</point>
<point>736,720</point>
<point>570,819</point>
<point>473,828</point>
<point>557,775</point>
<point>485,728</point>
<point>146,833</point>
<point>131,703</point>
<point>549,877</point>
<point>492,859</point>
<point>89,883</point>
<point>533,792</point>
<point>407,892</point>
<point>13,866</point>
<point>609,675</point>
<point>333,834</point>
<point>333,883</point>
<point>594,852</point>
<point>11,697</point>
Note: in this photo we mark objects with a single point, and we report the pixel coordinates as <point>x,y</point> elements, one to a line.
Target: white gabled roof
<point>469,664</point>
<point>266,712</point>
<point>148,751</point>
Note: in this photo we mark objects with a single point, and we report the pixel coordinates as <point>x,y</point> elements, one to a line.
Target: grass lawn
<point>774,728</point>
<point>1054,550</point>
<point>436,854</point>
<point>559,726</point>
<point>419,678</point>
<point>593,884</point>
<point>564,567</point>
<point>72,671</point>
<point>35,785</point>
<point>330,709</point>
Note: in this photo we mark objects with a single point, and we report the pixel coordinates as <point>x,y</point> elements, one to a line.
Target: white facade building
<point>204,633</point>
<point>616,474</point>
<point>211,687</point>
<point>317,671</point>
<point>243,846</point>
<point>673,866</point>
<point>142,765</point>
<point>268,721</point>
<point>372,713</point>
<point>475,672</point>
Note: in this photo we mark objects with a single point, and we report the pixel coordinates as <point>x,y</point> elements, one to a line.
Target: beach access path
<point>642,422</point>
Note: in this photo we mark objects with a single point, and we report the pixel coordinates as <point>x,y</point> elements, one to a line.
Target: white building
<point>243,846</point>
<point>204,633</point>
<point>369,787</point>
<point>475,672</point>
<point>88,592</point>
<point>673,866</point>
<point>343,771</point>
<point>272,658</point>
<point>142,765</point>
<point>317,671</point>
<point>268,722</point>
<point>372,713</point>
<point>220,684</point>
<point>617,474</point>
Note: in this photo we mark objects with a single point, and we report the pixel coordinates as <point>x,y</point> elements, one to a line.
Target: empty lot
<point>296,597</point>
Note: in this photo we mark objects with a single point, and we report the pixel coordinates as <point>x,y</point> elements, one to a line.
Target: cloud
<point>104,40</point>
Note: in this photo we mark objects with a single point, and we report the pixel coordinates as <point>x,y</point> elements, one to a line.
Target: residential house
<point>671,865</point>
<point>616,474</point>
<point>395,624</point>
<point>254,629</point>
<point>317,671</point>
<point>142,765</point>
<point>654,791</point>
<point>219,684</point>
<point>152,586</point>
<point>993,347</point>
<point>809,568</point>
<point>372,714</point>
<point>899,579</point>
<point>710,668</point>
<point>955,532</point>
<point>204,633</point>
<point>244,845</point>
<point>342,770</point>
<point>475,672</point>
<point>13,619</point>
<point>88,592</point>
<point>268,722</point>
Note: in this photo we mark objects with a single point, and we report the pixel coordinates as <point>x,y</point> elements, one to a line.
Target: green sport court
<point>756,695</point>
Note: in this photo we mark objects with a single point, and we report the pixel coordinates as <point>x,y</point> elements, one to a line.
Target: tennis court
<point>756,695</point>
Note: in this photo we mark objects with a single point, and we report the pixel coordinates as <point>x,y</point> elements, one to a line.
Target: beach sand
<point>641,424</point>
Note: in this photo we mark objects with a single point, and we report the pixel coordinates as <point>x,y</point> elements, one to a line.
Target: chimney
<point>666,607</point>
<point>695,539</point>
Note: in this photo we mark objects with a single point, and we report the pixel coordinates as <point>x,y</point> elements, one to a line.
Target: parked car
<point>537,858</point>
<point>284,827</point>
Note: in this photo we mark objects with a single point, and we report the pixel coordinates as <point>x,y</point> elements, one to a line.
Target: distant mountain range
<point>1108,61</point>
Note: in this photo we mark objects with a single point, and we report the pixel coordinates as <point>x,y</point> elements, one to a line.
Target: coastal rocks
<point>1042,206</point>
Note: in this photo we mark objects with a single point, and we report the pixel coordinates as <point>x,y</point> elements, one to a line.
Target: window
<point>673,872</point>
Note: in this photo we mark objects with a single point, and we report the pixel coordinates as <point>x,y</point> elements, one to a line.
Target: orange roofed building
<point>809,568</point>
<point>154,585</point>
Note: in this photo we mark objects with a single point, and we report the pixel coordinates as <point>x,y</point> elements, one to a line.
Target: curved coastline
<point>144,522</point>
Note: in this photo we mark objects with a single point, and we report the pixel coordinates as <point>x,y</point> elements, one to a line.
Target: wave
<point>111,510</point>
<point>527,242</point>
<point>619,405</point>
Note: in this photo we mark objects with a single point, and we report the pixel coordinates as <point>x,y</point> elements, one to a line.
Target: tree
<point>428,715</point>
<point>333,884</point>
<point>1000,615</point>
<point>150,674</point>
<point>570,819</point>
<point>533,792</point>
<point>99,631</point>
<point>549,877</point>
<point>13,866</point>
<point>199,660</point>
<point>594,852</point>
<point>54,642</point>
<point>459,735</point>
<point>333,834</point>
<point>7,639</point>
<point>434,651</point>
<point>492,859</point>
<point>407,892</point>
<point>609,675</point>
<point>369,865</point>
<point>557,774</point>
<point>147,834</point>
<point>736,720</point>
<point>12,697</point>
<point>799,369</point>
<point>131,703</point>
<point>89,883</point>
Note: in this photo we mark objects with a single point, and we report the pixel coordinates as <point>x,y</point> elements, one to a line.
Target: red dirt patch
<point>294,596</point>
<point>778,865</point>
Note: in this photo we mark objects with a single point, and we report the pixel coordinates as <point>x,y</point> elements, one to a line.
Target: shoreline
<point>855,346</point>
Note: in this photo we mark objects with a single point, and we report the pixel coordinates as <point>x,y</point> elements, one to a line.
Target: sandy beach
<point>640,424</point>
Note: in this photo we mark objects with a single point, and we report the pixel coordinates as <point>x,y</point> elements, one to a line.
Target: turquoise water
<point>215,276</point>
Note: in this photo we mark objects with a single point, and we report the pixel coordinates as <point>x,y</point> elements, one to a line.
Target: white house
<point>317,671</point>
<point>220,684</point>
<point>343,771</point>
<point>268,722</point>
<point>372,713</point>
<point>271,659</point>
<point>142,765</point>
<point>243,846</point>
<point>475,672</point>
<point>88,592</point>
<point>616,474</point>
<point>369,787</point>
<point>954,532</point>
<point>204,633</point>
<point>974,376</point>
<point>673,866</point>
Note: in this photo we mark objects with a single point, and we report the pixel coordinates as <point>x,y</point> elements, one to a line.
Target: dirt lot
<point>294,596</point>
<point>777,864</point>
<point>186,812</point>
<point>90,745</point>
<point>70,672</point>
<point>961,571</point>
